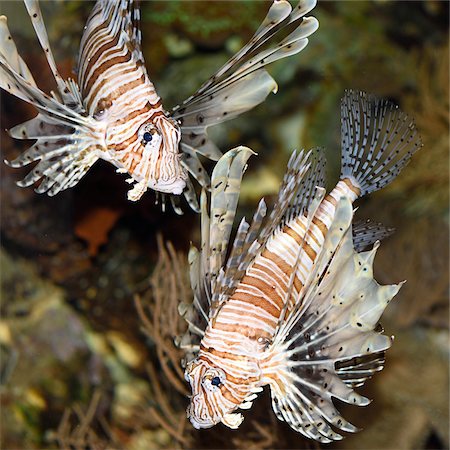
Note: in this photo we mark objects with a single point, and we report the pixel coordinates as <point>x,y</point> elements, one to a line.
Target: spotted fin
<point>67,90</point>
<point>9,53</point>
<point>314,178</point>
<point>191,161</point>
<point>330,342</point>
<point>243,83</point>
<point>206,264</point>
<point>225,191</point>
<point>196,313</point>
<point>66,142</point>
<point>302,176</point>
<point>64,157</point>
<point>378,140</point>
<point>366,233</point>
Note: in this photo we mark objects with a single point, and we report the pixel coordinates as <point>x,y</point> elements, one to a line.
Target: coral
<point>158,311</point>
<point>83,434</point>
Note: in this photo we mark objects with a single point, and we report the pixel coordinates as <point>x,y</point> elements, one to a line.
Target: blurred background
<point>88,307</point>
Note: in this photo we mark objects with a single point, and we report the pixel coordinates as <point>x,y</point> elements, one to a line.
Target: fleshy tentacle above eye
<point>242,83</point>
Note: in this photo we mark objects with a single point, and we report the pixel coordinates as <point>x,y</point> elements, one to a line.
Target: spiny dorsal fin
<point>315,178</point>
<point>244,250</point>
<point>9,53</point>
<point>68,92</point>
<point>251,239</point>
<point>291,187</point>
<point>216,225</point>
<point>225,189</point>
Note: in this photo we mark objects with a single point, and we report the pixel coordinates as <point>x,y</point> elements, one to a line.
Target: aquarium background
<point>88,311</point>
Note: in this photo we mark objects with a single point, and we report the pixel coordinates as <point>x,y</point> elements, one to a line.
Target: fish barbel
<point>113,112</point>
<point>294,306</point>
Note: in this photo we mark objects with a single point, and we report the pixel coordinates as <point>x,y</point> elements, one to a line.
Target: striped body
<point>117,92</point>
<point>236,340</point>
<point>113,112</point>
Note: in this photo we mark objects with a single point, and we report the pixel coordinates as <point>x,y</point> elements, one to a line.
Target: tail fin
<point>67,143</point>
<point>378,140</point>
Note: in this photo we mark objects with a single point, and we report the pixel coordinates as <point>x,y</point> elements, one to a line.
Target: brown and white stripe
<point>295,297</point>
<point>238,336</point>
<point>116,91</point>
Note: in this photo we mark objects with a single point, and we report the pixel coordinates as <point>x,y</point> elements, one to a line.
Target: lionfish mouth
<point>231,420</point>
<point>172,187</point>
<point>197,422</point>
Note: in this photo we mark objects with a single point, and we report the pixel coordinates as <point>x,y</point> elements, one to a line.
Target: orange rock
<point>95,226</point>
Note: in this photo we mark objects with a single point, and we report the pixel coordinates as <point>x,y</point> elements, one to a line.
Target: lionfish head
<point>150,154</point>
<point>214,398</point>
<point>160,141</point>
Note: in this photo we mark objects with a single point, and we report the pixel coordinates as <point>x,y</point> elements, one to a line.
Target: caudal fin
<point>378,140</point>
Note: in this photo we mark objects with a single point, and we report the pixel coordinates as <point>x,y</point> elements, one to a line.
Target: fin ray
<point>242,82</point>
<point>68,92</point>
<point>366,233</point>
<point>329,344</point>
<point>378,140</point>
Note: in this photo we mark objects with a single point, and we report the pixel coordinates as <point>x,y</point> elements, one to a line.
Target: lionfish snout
<point>162,141</point>
<point>151,156</point>
<point>198,413</point>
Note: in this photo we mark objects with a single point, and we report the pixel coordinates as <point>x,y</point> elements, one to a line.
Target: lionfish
<point>114,113</point>
<point>294,306</point>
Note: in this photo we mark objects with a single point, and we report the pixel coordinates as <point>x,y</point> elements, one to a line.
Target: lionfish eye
<point>216,381</point>
<point>148,132</point>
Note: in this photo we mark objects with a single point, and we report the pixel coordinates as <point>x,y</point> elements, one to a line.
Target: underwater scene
<point>101,345</point>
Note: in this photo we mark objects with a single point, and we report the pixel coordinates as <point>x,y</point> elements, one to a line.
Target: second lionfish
<point>294,306</point>
<point>113,111</point>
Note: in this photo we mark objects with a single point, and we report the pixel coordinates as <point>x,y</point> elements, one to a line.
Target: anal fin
<point>366,233</point>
